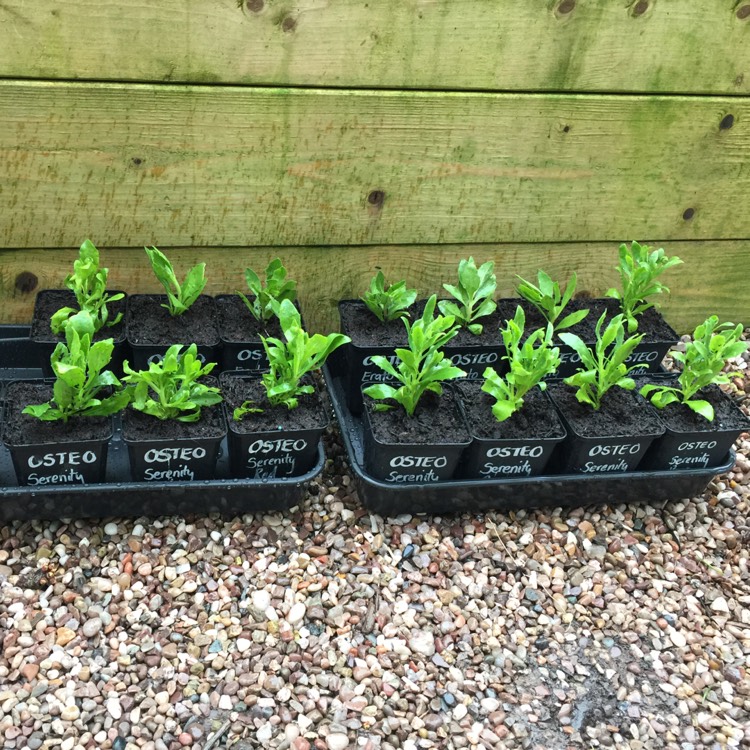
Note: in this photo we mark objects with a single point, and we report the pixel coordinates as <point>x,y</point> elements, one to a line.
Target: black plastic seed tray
<point>508,494</point>
<point>119,496</point>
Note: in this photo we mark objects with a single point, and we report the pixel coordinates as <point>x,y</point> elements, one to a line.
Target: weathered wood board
<point>138,164</point>
<point>327,274</point>
<point>670,46</point>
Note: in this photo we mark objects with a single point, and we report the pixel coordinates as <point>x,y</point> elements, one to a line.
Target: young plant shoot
<point>388,303</point>
<point>602,367</point>
<point>290,360</point>
<point>702,362</point>
<point>530,363</point>
<point>89,284</point>
<point>638,267</point>
<point>171,389</point>
<point>179,296</point>
<point>422,367</point>
<point>266,298</point>
<point>474,293</point>
<point>80,377</point>
<point>550,301</point>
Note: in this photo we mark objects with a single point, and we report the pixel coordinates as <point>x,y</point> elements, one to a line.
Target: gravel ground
<point>331,628</point>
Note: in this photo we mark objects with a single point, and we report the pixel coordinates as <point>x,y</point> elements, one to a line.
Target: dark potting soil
<point>490,335</point>
<point>534,319</point>
<point>727,415</point>
<point>621,414</point>
<point>237,324</point>
<point>49,301</point>
<point>537,417</point>
<point>139,426</point>
<point>25,429</point>
<point>364,329</point>
<point>437,420</point>
<point>151,324</point>
<point>309,415</point>
<point>650,323</point>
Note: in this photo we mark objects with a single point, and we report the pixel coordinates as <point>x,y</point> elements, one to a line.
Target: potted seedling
<point>374,325</point>
<point>64,439</point>
<point>243,318</point>
<point>609,428</point>
<point>545,304</point>
<point>413,429</point>
<point>476,344</point>
<point>639,268</point>
<point>183,315</point>
<point>174,424</point>
<point>701,421</point>
<point>276,420</point>
<point>86,303</point>
<point>514,428</point>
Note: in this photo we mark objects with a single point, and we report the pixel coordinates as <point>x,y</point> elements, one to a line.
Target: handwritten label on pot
<point>64,462</point>
<point>177,459</point>
<point>274,458</point>
<point>427,464</point>
<point>692,453</point>
<point>624,452</point>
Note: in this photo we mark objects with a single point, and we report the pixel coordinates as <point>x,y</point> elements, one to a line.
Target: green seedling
<point>474,293</point>
<point>638,267</point>
<point>266,298</point>
<point>550,301</point>
<point>171,388</point>
<point>180,297</point>
<point>422,367</point>
<point>388,303</point>
<point>290,360</point>
<point>529,362</point>
<point>703,362</point>
<point>81,380</point>
<point>602,367</point>
<point>89,284</point>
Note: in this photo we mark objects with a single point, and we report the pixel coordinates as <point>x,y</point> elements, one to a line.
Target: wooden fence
<point>397,134</point>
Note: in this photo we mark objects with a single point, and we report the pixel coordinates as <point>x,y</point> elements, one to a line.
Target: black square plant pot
<point>613,439</point>
<point>369,337</point>
<point>475,353</point>
<point>438,419</point>
<point>692,442</point>
<point>659,336</point>
<point>151,330</point>
<point>648,355</point>
<point>520,446</point>
<point>240,332</point>
<point>49,301</point>
<point>178,451</point>
<point>47,454</point>
<point>277,443</point>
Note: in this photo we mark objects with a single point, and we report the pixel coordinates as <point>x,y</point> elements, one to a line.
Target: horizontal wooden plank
<point>553,45</point>
<point>711,280</point>
<point>138,164</point>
